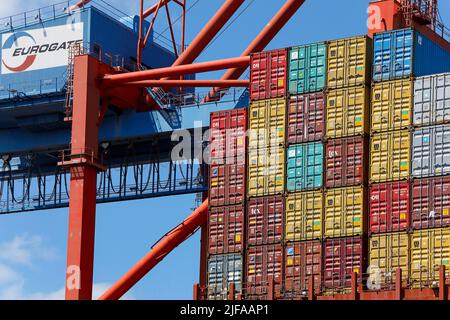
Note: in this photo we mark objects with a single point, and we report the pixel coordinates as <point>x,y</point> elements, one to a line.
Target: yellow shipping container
<point>304,216</point>
<point>348,112</point>
<point>349,62</point>
<point>390,154</point>
<point>387,253</point>
<point>392,104</point>
<point>345,212</point>
<point>267,123</point>
<point>266,173</point>
<point>429,250</point>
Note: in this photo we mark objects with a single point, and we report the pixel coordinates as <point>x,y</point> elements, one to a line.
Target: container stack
<point>399,56</point>
<point>430,188</point>
<point>345,215</point>
<point>266,175</point>
<point>304,163</point>
<point>226,217</point>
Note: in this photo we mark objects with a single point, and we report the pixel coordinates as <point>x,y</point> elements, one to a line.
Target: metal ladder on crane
<point>74,50</point>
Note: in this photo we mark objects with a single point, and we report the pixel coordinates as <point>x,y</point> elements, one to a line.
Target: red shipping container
<point>268,74</point>
<point>228,135</point>
<point>265,220</point>
<point>226,184</point>
<point>431,203</point>
<point>389,207</point>
<point>227,157</point>
<point>264,264</point>
<point>306,118</point>
<point>303,260</point>
<point>346,162</point>
<point>343,257</point>
<point>226,229</point>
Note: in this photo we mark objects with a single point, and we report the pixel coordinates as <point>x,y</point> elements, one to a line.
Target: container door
<point>379,207</point>
<point>295,167</point>
<point>313,204</point>
<point>354,161</point>
<point>295,220</point>
<point>423,106</point>
<point>297,70</point>
<point>353,211</point>
<point>399,206</point>
<point>422,152</point>
<point>442,98</point>
<point>383,56</point>
<point>334,207</point>
<point>335,114</point>
<point>356,109</point>
<point>335,163</point>
<point>400,158</point>
<point>259,74</point>
<point>401,104</point>
<point>296,119</point>
<point>314,165</point>
<point>317,67</point>
<point>315,115</point>
<point>403,54</point>
<point>442,150</point>
<point>441,213</point>
<point>381,106</point>
<point>379,157</point>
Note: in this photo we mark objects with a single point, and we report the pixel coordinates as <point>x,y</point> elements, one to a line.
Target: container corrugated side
<point>228,134</point>
<point>222,271</point>
<point>430,203</point>
<point>306,118</point>
<point>407,53</point>
<point>430,249</point>
<point>267,123</point>
<point>389,207</point>
<point>266,172</point>
<point>387,253</point>
<point>432,100</point>
<point>268,74</point>
<point>341,258</point>
<point>303,261</point>
<point>264,264</point>
<point>392,104</point>
<point>349,62</point>
<point>346,162</point>
<point>305,166</point>
<point>390,154</point>
<point>265,220</point>
<point>431,151</point>
<point>345,212</point>
<point>348,112</point>
<point>304,216</point>
<point>226,229</point>
<point>226,183</point>
<point>307,68</point>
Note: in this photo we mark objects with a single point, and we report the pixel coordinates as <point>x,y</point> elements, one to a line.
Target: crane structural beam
<point>118,79</point>
<point>169,242</point>
<point>78,5</point>
<point>188,83</point>
<point>83,179</point>
<point>263,39</point>
<point>208,33</point>
<point>154,8</point>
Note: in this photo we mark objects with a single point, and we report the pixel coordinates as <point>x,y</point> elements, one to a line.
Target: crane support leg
<point>83,180</point>
<point>169,242</point>
<point>263,39</point>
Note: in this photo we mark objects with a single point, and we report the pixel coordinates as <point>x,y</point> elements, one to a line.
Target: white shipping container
<point>222,271</point>
<point>432,100</point>
<point>431,151</point>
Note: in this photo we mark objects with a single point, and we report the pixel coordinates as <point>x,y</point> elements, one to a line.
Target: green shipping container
<point>307,68</point>
<point>305,167</point>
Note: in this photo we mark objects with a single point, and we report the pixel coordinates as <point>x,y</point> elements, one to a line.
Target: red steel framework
<point>129,89</point>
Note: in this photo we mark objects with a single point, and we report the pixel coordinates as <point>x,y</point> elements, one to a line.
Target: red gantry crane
<point>137,89</point>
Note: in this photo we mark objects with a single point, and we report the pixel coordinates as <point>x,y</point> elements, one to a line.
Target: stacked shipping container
<point>266,175</point>
<point>304,163</point>
<point>325,171</point>
<point>226,218</point>
<point>345,216</point>
<point>404,155</point>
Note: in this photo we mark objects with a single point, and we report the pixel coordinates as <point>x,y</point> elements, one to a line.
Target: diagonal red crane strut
<point>169,242</point>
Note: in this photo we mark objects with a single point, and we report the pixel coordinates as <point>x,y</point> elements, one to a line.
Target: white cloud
<point>22,249</point>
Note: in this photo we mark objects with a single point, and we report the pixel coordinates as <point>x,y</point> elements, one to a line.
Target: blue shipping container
<point>305,167</point>
<point>407,53</point>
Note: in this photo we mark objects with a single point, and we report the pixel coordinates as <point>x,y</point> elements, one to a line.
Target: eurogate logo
<point>36,49</point>
<point>30,55</point>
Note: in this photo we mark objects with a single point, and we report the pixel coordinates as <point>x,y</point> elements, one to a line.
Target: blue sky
<point>32,246</point>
